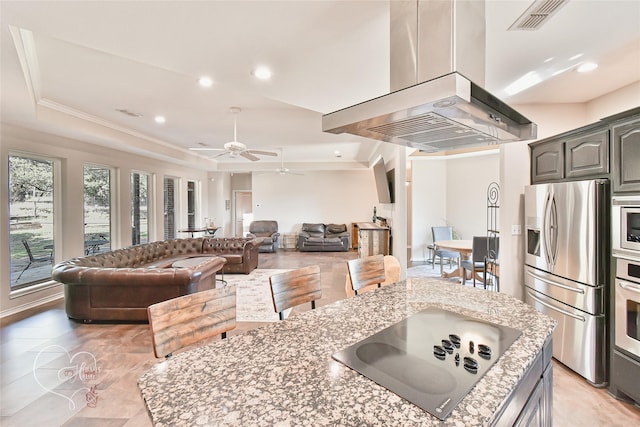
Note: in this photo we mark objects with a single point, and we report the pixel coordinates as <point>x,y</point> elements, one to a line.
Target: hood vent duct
<point>437,67</point>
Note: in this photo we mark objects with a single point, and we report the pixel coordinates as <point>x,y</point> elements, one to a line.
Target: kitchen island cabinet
<point>284,374</point>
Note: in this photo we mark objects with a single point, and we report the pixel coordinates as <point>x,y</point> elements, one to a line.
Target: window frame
<point>46,282</point>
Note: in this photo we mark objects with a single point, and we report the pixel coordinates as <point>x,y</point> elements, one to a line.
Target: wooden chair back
<point>391,272</point>
<point>295,287</point>
<point>185,320</point>
<point>367,271</point>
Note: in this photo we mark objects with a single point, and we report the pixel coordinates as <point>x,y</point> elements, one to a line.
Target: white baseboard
<point>30,305</point>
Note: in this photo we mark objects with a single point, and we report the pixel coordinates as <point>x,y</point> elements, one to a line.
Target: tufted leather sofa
<point>121,284</point>
<point>241,253</point>
<point>325,238</point>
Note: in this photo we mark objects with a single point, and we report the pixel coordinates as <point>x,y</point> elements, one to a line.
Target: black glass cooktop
<point>432,359</point>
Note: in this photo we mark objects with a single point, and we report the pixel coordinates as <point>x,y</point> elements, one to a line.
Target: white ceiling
<point>67,66</point>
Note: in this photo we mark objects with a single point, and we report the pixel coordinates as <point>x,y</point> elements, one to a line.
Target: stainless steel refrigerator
<point>566,269</point>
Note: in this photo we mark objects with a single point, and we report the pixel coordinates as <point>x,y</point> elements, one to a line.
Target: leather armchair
<point>267,232</point>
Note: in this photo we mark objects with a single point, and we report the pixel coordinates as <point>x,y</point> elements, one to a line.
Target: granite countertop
<point>283,373</point>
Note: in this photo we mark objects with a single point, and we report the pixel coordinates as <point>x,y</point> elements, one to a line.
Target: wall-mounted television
<point>385,182</point>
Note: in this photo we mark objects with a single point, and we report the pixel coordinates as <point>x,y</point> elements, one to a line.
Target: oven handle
<point>629,286</point>
<point>549,306</point>
<point>550,282</point>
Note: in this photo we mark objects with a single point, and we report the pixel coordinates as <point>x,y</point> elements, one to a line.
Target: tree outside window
<point>31,214</point>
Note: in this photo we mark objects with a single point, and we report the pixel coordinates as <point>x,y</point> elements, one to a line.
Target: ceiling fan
<point>282,170</point>
<point>235,148</point>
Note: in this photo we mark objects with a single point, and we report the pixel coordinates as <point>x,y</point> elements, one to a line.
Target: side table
<point>290,241</point>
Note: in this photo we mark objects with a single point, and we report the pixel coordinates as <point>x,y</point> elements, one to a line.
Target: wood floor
<point>36,346</point>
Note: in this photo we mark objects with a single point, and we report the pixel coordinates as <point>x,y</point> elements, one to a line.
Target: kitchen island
<point>284,374</point>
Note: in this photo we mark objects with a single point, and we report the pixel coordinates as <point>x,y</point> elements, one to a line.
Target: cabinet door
<point>588,155</point>
<point>626,156</point>
<point>547,162</point>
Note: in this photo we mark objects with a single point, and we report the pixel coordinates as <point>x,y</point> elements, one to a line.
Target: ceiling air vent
<point>127,112</point>
<point>537,14</point>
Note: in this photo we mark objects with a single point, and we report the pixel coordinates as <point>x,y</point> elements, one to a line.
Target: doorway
<point>243,212</point>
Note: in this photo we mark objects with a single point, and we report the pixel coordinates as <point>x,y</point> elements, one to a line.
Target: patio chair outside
<point>32,259</point>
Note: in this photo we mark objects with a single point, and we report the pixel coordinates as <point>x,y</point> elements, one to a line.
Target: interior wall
<point>514,175</point>
<point>429,203</point>
<point>314,197</point>
<point>467,182</point>
<point>450,191</point>
<point>73,155</point>
<point>617,101</point>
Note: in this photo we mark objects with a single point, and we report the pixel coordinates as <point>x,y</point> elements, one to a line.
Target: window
<point>139,208</point>
<point>191,204</point>
<point>170,185</point>
<point>31,213</point>
<point>97,209</point>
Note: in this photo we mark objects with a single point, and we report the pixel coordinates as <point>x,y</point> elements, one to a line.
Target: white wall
<point>315,197</point>
<point>619,100</point>
<point>467,182</point>
<point>74,155</point>
<point>429,203</point>
<point>450,191</point>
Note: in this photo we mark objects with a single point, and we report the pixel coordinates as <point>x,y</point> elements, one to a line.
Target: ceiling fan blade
<point>205,149</point>
<point>248,155</point>
<point>221,154</point>
<point>262,153</point>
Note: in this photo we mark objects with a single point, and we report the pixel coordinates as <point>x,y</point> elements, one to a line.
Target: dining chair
<point>185,320</point>
<point>364,272</point>
<point>443,233</point>
<point>478,258</point>
<point>391,272</point>
<point>295,287</point>
<point>33,259</point>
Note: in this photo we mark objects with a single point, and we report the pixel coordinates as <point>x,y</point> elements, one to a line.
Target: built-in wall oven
<point>627,306</point>
<point>625,247</point>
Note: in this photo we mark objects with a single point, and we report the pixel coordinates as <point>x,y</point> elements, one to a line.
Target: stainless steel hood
<point>437,69</point>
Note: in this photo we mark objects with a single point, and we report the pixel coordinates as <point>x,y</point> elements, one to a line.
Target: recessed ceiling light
<point>160,119</point>
<point>205,81</point>
<point>262,72</point>
<point>586,67</point>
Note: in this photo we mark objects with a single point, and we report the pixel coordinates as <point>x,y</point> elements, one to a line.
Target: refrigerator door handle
<point>546,230</point>
<point>559,285</point>
<point>553,244</point>
<point>554,308</point>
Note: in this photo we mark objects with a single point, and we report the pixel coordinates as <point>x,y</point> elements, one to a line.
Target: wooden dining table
<point>464,247</point>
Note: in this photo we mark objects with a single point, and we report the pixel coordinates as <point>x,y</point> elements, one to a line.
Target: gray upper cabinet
<point>547,161</point>
<point>626,156</point>
<point>588,155</point>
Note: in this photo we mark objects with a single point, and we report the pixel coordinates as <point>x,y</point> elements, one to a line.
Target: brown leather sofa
<point>121,284</point>
<point>241,253</point>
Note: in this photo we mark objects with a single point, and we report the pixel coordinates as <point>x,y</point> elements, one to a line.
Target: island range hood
<point>437,69</point>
